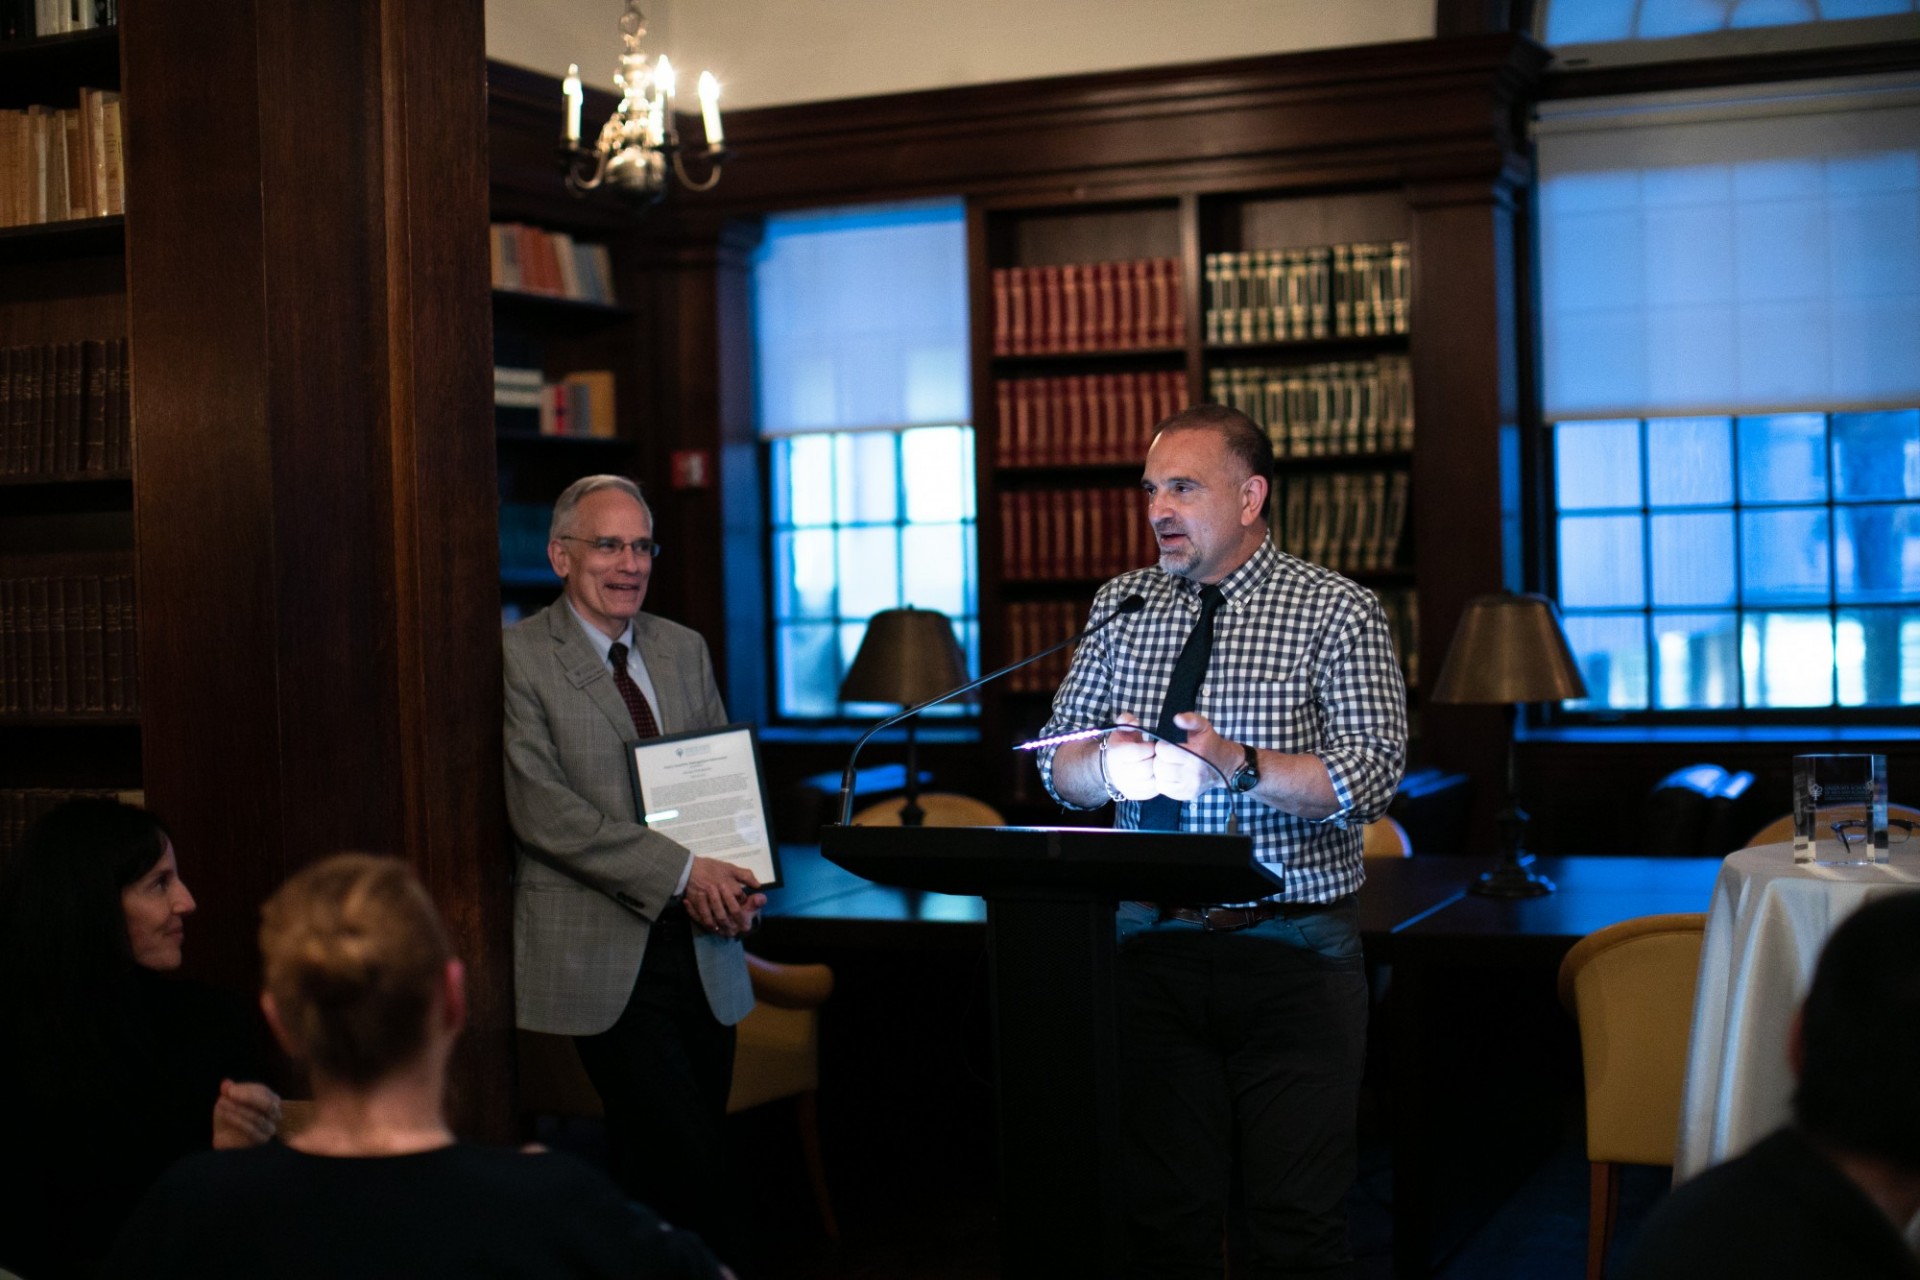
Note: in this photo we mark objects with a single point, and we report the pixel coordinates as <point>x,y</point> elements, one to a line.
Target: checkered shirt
<point>1302,662</point>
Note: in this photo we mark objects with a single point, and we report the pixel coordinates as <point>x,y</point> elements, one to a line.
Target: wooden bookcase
<point>1062,432</point>
<point>69,688</point>
<point>557,335</point>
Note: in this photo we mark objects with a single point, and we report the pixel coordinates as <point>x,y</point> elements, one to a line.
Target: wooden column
<point>314,488</point>
<point>1466,466</point>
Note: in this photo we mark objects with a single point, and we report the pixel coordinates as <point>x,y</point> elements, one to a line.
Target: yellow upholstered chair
<point>1780,829</point>
<point>1630,987</point>
<point>943,809</point>
<point>1385,838</point>
<point>776,1055</point>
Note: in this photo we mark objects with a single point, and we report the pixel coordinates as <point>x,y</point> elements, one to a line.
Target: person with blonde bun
<point>363,988</point>
<point>112,1066</point>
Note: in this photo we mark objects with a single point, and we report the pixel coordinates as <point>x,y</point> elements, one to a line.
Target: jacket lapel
<point>581,667</point>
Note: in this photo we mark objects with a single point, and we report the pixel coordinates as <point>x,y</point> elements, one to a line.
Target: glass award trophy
<point>1840,809</point>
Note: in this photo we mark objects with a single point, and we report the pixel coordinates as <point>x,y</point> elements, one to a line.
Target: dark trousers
<point>663,1071</point>
<point>1241,1056</point>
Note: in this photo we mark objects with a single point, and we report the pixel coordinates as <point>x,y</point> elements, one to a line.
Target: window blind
<point>861,319</point>
<point>1731,251</point>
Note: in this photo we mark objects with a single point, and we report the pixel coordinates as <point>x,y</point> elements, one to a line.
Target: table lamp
<point>907,656</point>
<point>1509,648</point>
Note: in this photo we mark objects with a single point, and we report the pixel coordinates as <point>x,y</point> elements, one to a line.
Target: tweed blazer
<point>589,877</point>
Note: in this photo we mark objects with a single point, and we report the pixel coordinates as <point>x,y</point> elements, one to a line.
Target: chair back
<point>1630,986</point>
<point>1385,838</point>
<point>778,1049</point>
<point>1780,830</point>
<point>942,808</point>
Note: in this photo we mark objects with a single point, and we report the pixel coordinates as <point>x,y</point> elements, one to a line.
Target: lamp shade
<point>1509,648</point>
<point>907,656</point>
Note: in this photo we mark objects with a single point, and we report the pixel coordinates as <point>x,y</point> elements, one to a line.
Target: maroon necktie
<point>643,721</point>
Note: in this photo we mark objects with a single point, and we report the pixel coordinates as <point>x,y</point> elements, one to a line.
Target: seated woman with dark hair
<point>111,1069</point>
<point>363,988</point>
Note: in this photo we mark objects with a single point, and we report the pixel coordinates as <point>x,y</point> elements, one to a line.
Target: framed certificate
<point>704,790</point>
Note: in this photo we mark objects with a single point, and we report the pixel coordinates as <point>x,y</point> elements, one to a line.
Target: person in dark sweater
<point>362,987</point>
<point>113,1067</point>
<point>1829,1194</point>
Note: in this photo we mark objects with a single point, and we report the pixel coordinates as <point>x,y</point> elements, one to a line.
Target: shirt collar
<point>602,642</point>
<point>1259,567</point>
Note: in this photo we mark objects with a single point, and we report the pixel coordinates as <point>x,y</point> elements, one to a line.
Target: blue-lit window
<point>1595,32</point>
<point>860,332</point>
<point>1766,562</point>
<point>1730,326</point>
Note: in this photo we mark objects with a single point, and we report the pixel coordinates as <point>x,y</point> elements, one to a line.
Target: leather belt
<point>1233,919</point>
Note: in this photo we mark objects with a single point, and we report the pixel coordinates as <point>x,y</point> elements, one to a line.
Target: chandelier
<point>640,140</point>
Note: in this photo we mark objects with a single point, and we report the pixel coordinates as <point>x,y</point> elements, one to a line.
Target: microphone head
<point>1132,604</point>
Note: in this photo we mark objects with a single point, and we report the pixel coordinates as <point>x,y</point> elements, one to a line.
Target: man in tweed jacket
<point>622,938</point>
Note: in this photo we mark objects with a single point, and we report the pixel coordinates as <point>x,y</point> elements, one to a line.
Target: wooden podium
<point>1050,895</point>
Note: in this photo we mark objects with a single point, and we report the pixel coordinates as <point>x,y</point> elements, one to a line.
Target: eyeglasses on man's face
<point>1853,831</point>
<point>610,547</point>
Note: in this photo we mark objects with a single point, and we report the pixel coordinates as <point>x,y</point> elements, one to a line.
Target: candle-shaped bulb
<point>570,87</point>
<point>663,77</point>
<point>710,108</point>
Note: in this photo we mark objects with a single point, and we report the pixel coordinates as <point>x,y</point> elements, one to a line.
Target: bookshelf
<point>1292,307</point>
<point>567,331</point>
<point>69,647</point>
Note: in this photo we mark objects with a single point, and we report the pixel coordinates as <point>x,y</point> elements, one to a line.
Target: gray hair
<point>577,492</point>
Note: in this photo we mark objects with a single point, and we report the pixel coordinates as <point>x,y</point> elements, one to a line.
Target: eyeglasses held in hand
<point>1853,831</point>
<point>646,547</point>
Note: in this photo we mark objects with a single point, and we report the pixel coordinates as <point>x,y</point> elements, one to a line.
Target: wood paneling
<point>314,466</point>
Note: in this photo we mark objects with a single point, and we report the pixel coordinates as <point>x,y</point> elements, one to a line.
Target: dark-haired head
<point>65,954</point>
<point>357,961</point>
<point>64,881</point>
<point>1859,1035</point>
<point>1242,436</point>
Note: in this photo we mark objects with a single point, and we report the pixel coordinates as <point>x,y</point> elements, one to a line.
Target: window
<point>1586,33</point>
<point>1731,342</point>
<point>860,339</point>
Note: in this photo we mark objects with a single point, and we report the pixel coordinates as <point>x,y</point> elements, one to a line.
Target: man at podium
<point>1275,702</point>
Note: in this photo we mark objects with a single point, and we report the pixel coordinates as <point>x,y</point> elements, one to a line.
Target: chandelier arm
<point>714,160</point>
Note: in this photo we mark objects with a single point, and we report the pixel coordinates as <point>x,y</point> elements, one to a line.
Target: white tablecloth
<point>1769,919</point>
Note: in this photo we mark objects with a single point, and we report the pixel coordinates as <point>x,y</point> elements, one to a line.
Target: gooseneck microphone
<point>1132,604</point>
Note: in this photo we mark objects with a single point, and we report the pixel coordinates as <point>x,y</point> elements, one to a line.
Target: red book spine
<point>1104,293</point>
<point>1002,320</point>
<point>1070,338</point>
<point>1074,438</point>
<point>1145,315</point>
<point>1017,315</point>
<point>1003,423</point>
<point>1124,307</point>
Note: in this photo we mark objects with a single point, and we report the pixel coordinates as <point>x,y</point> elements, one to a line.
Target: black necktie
<point>643,722</point>
<point>1162,813</point>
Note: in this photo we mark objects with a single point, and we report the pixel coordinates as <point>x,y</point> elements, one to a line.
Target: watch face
<point>1247,776</point>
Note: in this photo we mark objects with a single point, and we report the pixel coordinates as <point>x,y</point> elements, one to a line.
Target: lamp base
<point>1512,879</point>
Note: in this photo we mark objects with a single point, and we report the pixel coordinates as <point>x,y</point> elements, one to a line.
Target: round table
<point>1769,919</point>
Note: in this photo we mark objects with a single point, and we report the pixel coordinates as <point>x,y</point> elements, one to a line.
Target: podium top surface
<point>1163,866</point>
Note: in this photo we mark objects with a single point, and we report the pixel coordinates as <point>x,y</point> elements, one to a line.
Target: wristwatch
<point>1247,776</point>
